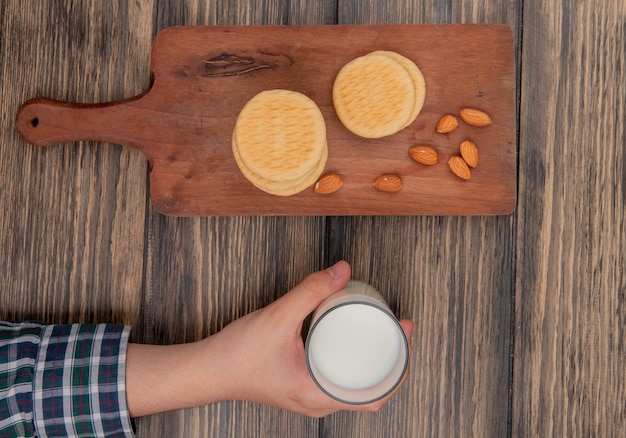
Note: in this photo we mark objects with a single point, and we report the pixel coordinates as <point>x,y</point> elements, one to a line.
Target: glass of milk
<point>356,350</point>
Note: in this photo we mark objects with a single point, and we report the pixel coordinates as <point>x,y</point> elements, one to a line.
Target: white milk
<point>356,350</point>
<point>355,346</point>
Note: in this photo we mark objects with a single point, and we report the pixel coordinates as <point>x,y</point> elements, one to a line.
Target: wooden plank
<point>201,273</point>
<point>453,275</point>
<point>184,123</point>
<point>72,220</point>
<point>309,12</point>
<point>571,271</point>
<point>82,197</point>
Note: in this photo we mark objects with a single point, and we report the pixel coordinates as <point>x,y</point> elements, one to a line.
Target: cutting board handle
<point>44,122</point>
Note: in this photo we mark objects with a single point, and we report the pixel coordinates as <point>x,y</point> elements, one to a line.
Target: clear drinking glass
<point>356,350</point>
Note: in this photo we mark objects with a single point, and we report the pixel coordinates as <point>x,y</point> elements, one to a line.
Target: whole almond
<point>469,152</point>
<point>424,154</point>
<point>327,184</point>
<point>475,117</point>
<point>388,183</point>
<point>447,123</point>
<point>459,167</point>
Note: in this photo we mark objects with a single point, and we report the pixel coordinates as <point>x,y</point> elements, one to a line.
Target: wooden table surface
<point>520,318</point>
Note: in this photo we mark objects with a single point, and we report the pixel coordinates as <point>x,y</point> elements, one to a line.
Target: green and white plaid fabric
<point>63,380</point>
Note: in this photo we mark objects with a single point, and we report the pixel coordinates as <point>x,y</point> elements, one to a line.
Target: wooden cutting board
<point>202,77</point>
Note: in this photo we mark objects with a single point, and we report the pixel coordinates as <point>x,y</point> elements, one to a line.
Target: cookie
<point>279,141</point>
<point>378,94</point>
<point>417,77</point>
<point>284,187</point>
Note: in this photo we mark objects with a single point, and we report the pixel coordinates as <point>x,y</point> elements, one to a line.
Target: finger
<point>409,328</point>
<point>306,296</point>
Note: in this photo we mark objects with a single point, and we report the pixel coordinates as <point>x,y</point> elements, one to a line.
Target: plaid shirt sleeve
<point>63,380</point>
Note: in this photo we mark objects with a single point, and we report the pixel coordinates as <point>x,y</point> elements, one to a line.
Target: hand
<point>265,351</point>
<point>259,357</point>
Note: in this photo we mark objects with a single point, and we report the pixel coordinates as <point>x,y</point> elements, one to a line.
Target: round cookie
<point>279,142</point>
<point>280,135</point>
<point>416,76</point>
<point>282,188</point>
<point>374,96</point>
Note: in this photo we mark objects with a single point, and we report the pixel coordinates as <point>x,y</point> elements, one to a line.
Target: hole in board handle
<point>32,123</point>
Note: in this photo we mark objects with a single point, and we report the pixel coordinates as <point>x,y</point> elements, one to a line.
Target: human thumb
<point>306,296</point>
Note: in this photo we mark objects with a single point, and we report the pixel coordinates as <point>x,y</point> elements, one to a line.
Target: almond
<point>446,124</point>
<point>459,167</point>
<point>388,183</point>
<point>424,154</point>
<point>327,184</point>
<point>475,117</point>
<point>469,152</point>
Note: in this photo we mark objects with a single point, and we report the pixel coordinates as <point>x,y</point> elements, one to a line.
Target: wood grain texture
<point>198,274</point>
<point>80,241</point>
<point>429,12</point>
<point>72,222</point>
<point>569,361</point>
<point>453,275</point>
<point>184,123</point>
<point>202,273</point>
